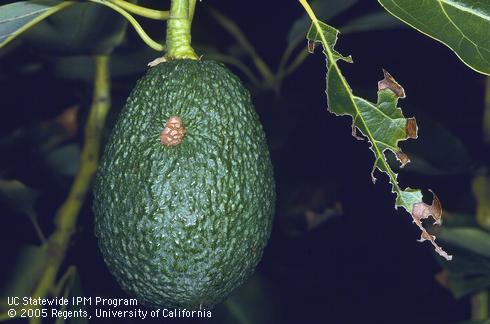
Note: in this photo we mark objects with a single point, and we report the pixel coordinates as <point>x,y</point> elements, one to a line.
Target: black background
<point>364,266</point>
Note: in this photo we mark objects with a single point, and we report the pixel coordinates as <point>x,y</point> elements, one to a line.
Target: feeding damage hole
<point>173,133</point>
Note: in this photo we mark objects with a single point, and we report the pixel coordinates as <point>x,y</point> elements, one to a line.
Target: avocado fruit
<point>184,194</point>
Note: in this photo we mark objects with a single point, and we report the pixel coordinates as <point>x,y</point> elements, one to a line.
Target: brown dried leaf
<point>423,211</point>
<point>411,128</point>
<point>354,133</point>
<point>311,47</point>
<point>390,83</point>
<point>402,158</point>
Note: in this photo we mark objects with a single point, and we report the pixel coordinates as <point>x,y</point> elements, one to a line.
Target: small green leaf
<point>18,196</point>
<point>77,291</point>
<point>462,25</point>
<point>469,238</point>
<point>26,272</point>
<point>65,160</point>
<point>85,28</point>
<point>21,199</point>
<point>381,123</point>
<point>468,273</point>
<point>17,17</point>
<point>81,67</point>
<point>378,20</point>
<point>71,286</point>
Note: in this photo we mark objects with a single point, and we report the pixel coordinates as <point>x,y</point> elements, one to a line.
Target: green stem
<point>179,31</point>
<point>141,32</point>
<point>37,228</point>
<point>479,306</point>
<point>237,313</point>
<point>67,214</point>
<point>64,280</point>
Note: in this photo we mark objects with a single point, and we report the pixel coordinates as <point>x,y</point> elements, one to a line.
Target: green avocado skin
<point>184,226</point>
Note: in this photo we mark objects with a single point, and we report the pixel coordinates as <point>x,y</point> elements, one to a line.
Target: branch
<point>67,214</point>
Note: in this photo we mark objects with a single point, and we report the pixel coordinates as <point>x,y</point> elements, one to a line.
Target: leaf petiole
<point>141,32</point>
<point>142,11</point>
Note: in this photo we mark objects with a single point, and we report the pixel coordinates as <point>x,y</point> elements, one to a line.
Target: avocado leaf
<point>86,28</point>
<point>462,25</point>
<point>26,271</point>
<point>381,123</point>
<point>17,17</point>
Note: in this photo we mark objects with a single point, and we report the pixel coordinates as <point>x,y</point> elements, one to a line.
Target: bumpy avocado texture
<point>184,225</point>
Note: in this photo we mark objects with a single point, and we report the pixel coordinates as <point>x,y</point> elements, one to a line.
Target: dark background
<point>364,266</point>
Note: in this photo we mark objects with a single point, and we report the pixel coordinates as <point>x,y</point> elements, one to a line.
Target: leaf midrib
<point>376,150</point>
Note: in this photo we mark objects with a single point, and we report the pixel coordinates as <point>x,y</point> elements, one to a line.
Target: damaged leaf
<point>316,35</point>
<point>381,123</point>
<point>326,10</point>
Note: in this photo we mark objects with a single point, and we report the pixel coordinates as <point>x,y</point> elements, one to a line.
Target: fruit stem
<point>179,30</point>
